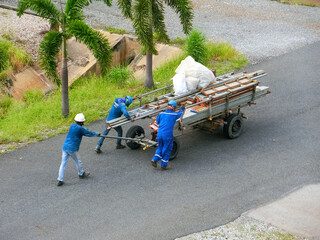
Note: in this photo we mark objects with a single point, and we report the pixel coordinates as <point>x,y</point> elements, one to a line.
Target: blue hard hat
<point>173,103</point>
<point>129,100</point>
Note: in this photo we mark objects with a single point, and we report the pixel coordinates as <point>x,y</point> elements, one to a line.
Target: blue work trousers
<point>164,150</point>
<point>119,131</point>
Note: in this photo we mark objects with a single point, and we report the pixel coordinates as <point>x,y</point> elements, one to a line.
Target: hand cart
<point>218,105</point>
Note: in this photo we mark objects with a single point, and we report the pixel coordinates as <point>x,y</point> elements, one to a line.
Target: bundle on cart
<point>191,75</point>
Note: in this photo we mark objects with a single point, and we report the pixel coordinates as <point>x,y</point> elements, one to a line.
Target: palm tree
<point>148,18</point>
<point>67,23</point>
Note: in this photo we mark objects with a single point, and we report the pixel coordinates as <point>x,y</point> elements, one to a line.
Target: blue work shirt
<point>166,121</point>
<point>118,108</point>
<point>74,137</point>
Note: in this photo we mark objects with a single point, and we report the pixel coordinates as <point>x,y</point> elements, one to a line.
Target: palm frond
<point>44,8</point>
<point>125,7</point>
<point>73,9</point>
<point>94,40</point>
<point>184,9</point>
<point>49,49</point>
<point>158,20</point>
<point>142,24</point>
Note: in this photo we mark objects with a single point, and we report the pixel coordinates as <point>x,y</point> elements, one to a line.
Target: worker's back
<point>118,108</point>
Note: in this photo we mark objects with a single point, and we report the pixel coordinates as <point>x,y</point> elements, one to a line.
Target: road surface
<point>212,182</point>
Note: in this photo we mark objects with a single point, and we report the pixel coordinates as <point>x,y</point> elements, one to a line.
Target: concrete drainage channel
<point>81,62</point>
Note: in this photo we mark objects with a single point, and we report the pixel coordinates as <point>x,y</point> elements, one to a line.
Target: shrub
<point>119,75</point>
<point>196,46</point>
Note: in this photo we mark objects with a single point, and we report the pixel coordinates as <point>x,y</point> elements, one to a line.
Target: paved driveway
<point>212,182</point>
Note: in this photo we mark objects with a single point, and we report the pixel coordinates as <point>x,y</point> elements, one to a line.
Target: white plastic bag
<point>206,78</point>
<point>194,70</point>
<point>192,83</point>
<point>179,84</point>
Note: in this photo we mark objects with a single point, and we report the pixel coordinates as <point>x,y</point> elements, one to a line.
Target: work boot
<point>167,167</point>
<point>84,175</point>
<point>98,150</point>
<point>59,183</point>
<point>120,146</point>
<point>154,164</point>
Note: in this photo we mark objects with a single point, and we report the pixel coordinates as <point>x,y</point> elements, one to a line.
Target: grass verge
<point>309,3</point>
<point>29,121</point>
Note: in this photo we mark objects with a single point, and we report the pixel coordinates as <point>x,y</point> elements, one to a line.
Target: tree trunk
<point>149,78</point>
<point>64,85</point>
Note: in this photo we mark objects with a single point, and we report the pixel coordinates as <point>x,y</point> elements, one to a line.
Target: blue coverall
<point>71,147</point>
<point>118,108</point>
<point>166,121</point>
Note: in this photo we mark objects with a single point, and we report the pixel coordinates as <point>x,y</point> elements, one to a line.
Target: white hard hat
<point>79,117</point>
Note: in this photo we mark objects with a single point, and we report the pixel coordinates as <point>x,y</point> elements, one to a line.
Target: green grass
<point>120,75</point>
<point>116,30</point>
<point>5,103</point>
<point>298,2</point>
<point>12,59</point>
<point>178,41</point>
<point>275,235</point>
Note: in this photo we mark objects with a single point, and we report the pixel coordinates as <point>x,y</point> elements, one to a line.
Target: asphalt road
<point>212,182</point>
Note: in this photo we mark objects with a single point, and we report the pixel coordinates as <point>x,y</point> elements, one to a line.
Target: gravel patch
<point>26,31</point>
<point>260,29</point>
<point>243,228</point>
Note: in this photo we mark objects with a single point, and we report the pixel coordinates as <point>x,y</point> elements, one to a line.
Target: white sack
<point>206,78</point>
<point>189,67</point>
<point>194,70</point>
<point>179,84</point>
<point>192,83</point>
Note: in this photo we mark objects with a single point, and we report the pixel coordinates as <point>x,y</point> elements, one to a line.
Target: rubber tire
<point>175,148</point>
<point>234,126</point>
<point>133,132</point>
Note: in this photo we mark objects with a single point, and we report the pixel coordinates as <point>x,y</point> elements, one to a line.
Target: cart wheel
<point>134,132</point>
<point>233,128</point>
<point>175,148</point>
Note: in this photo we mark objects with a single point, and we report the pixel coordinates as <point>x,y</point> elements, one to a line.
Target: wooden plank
<point>233,84</point>
<point>209,91</point>
<point>245,81</point>
<point>221,88</point>
<point>198,108</point>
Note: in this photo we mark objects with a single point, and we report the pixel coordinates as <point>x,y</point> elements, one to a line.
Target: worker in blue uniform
<point>166,121</point>
<point>119,107</point>
<point>71,146</point>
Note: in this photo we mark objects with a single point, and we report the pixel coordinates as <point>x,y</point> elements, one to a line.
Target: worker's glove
<point>136,96</point>
<point>99,134</point>
<point>132,119</point>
